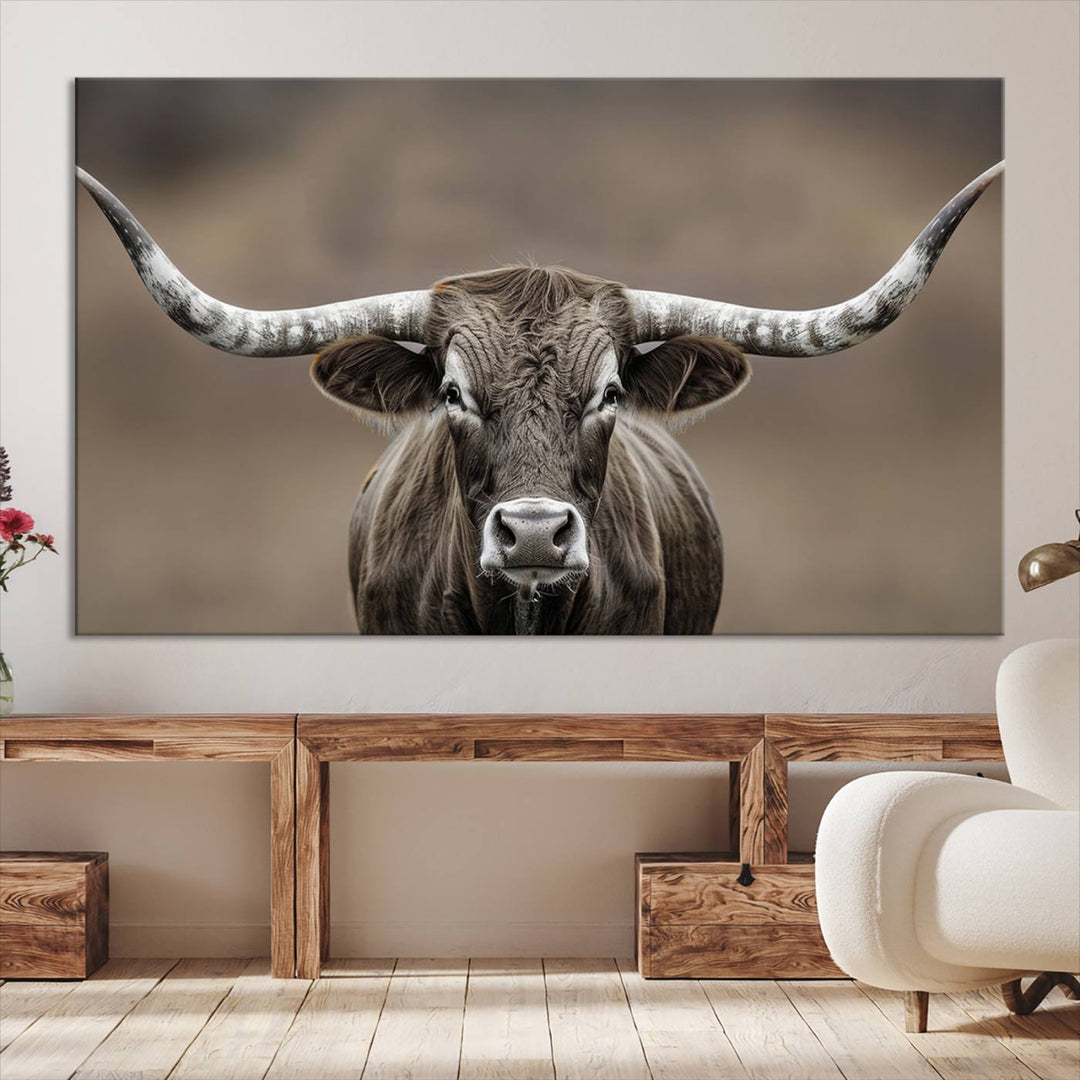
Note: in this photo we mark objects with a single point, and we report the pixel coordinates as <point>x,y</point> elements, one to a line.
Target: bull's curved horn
<point>255,333</point>
<point>820,331</point>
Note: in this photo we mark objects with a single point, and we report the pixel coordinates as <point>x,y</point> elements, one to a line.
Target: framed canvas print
<point>538,356</point>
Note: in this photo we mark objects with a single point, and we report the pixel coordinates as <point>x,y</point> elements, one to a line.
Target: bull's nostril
<point>564,535</point>
<point>503,533</point>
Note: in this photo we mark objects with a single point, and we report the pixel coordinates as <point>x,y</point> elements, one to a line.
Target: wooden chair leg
<point>916,1009</point>
<point>1021,1002</point>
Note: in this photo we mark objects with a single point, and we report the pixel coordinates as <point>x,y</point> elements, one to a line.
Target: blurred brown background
<point>859,493</point>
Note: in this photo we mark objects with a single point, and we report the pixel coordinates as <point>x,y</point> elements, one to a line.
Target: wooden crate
<point>54,914</point>
<point>701,916</point>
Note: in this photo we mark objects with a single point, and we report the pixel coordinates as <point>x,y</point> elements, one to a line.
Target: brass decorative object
<point>1049,562</point>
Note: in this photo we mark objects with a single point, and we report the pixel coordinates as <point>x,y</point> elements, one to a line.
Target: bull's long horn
<point>255,333</point>
<point>820,331</point>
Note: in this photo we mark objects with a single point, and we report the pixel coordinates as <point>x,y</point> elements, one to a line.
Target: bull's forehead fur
<point>530,326</point>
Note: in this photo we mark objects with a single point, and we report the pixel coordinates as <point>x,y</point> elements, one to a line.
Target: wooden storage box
<point>700,916</point>
<point>54,914</point>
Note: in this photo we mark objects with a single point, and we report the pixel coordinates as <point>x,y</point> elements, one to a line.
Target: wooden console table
<point>757,748</point>
<point>32,737</point>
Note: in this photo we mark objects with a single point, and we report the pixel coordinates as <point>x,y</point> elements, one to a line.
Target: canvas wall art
<point>538,356</point>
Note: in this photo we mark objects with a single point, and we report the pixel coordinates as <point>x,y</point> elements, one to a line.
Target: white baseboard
<point>421,939</point>
<point>481,939</point>
<point>189,939</point>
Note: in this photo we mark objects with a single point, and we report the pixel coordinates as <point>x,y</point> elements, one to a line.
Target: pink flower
<point>46,540</point>
<point>14,523</point>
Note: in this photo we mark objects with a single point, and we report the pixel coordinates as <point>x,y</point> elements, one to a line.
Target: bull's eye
<point>452,395</point>
<point>612,394</point>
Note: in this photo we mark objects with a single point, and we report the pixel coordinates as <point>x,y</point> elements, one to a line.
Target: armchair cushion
<point>873,836</point>
<point>1002,886</point>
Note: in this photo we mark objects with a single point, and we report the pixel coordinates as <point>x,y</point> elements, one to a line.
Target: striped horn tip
<point>243,331</point>
<point>820,331</point>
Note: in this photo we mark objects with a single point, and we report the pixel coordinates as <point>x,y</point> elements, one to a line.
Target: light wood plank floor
<point>505,1020</point>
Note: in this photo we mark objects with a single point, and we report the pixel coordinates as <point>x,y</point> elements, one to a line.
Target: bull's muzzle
<point>534,541</point>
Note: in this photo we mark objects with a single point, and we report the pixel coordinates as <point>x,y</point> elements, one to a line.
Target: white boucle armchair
<point>938,882</point>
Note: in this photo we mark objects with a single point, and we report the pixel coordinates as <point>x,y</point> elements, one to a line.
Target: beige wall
<point>499,858</point>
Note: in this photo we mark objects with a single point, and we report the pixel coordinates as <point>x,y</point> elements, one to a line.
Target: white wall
<point>492,858</point>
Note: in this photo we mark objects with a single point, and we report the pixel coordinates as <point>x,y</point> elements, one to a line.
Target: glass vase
<point>7,688</point>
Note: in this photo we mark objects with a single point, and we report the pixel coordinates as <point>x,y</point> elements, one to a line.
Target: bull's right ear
<point>376,376</point>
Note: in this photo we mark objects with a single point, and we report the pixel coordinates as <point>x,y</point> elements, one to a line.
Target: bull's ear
<point>376,376</point>
<point>686,375</point>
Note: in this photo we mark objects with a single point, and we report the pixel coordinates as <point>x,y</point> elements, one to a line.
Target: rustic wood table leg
<point>774,840</point>
<point>758,806</point>
<point>312,862</point>
<point>747,784</point>
<point>283,863</point>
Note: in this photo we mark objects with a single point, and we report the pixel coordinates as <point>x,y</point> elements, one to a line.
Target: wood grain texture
<point>337,967</point>
<point>916,1010</point>
<point>64,1037</point>
<point>751,774</point>
<point>739,951</point>
<point>54,914</point>
<point>549,749</point>
<point>419,1033</point>
<point>221,748</point>
<point>22,1002</point>
<point>642,925</point>
<point>685,748</point>
<point>1040,1041</point>
<point>78,749</point>
<point>687,1029</point>
<point>312,861</point>
<point>241,1038</point>
<point>883,736</point>
<point>152,1037</point>
<point>667,726</point>
<point>96,919</point>
<point>774,801</point>
<point>679,1031</point>
<point>215,748</point>
<point>1064,1009</point>
<point>388,748</point>
<point>592,1028</point>
<point>710,893</point>
<point>771,1038</point>
<point>42,952</point>
<point>957,1047</point>
<point>144,725</point>
<point>505,1034</point>
<point>283,862</point>
<point>33,893</point>
<point>332,1032</point>
<point>855,1034</point>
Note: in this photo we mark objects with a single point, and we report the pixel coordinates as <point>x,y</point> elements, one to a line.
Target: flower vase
<point>7,688</point>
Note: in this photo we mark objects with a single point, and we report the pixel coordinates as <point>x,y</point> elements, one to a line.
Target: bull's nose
<point>540,540</point>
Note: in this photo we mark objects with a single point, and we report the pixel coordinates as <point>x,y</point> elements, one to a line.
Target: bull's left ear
<point>685,375</point>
